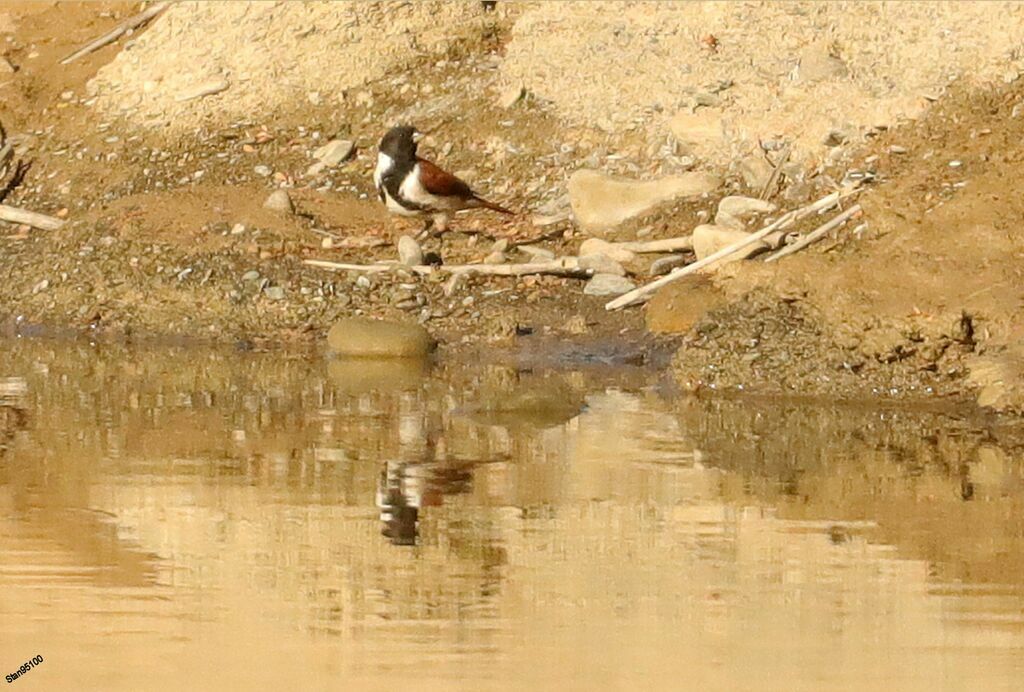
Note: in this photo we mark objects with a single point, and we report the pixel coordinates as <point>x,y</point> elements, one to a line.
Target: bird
<point>412,186</point>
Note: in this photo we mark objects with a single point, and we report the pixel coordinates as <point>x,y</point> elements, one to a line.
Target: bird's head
<point>400,142</point>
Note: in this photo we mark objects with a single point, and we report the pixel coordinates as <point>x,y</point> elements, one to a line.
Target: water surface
<point>178,518</point>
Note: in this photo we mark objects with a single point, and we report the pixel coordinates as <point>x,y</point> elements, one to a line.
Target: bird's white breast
<point>384,163</point>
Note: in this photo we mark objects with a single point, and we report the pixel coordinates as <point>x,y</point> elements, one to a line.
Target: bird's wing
<point>439,182</point>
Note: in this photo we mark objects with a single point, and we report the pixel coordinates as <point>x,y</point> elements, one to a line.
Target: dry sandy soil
<point>924,302</point>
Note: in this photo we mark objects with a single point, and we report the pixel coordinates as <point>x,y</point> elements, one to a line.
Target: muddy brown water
<point>187,518</point>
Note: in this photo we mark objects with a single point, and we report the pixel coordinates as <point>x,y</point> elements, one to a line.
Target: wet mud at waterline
<point>254,520</point>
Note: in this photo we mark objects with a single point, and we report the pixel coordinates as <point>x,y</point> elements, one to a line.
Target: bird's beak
<point>417,136</point>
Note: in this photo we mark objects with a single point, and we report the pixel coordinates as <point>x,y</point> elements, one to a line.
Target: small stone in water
<point>262,170</point>
<point>274,293</point>
<point>251,275</point>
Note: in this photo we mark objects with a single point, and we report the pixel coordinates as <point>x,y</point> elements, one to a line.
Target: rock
<point>601,264</point>
<point>701,131</point>
<point>608,285</point>
<point>495,258</point>
<point>664,265</point>
<point>596,246</point>
<point>755,172</point>
<point>280,200</point>
<point>601,202</point>
<point>550,219</point>
<point>709,239</point>
<point>7,66</point>
<point>334,152</point>
<point>681,304</point>
<point>734,210</point>
<point>707,99</point>
<point>511,96</point>
<point>205,89</point>
<point>274,293</point>
<point>817,63</point>
<point>238,229</point>
<point>262,170</point>
<point>369,338</point>
<point>536,253</point>
<point>499,245</point>
<point>251,275</point>
<point>409,251</point>
<point>837,137</point>
<point>41,286</point>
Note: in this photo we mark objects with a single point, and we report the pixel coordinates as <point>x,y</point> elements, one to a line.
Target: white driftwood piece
<point>665,245</point>
<point>124,27</point>
<point>817,233</point>
<point>638,295</point>
<point>565,266</point>
<point>29,218</point>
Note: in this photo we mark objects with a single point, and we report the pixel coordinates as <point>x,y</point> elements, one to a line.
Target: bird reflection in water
<point>406,487</point>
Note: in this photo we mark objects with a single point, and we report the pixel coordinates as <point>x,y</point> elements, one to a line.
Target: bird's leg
<point>425,233</point>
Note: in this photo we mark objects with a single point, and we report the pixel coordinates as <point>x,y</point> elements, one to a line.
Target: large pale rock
<point>597,246</point>
<point>734,210</point>
<point>608,285</point>
<point>368,338</point>
<point>709,239</point>
<point>601,264</point>
<point>700,131</point>
<point>755,171</point>
<point>601,202</point>
<point>817,63</point>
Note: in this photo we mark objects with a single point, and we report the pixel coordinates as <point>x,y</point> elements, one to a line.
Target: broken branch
<point>817,233</point>
<point>565,266</point>
<point>29,218</point>
<point>665,245</point>
<point>639,295</point>
<point>124,27</point>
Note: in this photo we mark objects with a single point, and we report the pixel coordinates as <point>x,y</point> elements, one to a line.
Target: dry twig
<point>565,266</point>
<point>124,27</point>
<point>817,233</point>
<point>769,187</point>
<point>29,218</point>
<point>639,295</point>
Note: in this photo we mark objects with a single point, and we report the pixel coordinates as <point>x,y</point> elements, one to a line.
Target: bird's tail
<point>492,206</point>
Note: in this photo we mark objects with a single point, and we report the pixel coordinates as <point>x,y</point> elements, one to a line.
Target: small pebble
<point>280,200</point>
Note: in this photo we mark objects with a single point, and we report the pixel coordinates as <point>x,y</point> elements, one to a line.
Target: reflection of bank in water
<point>937,484</point>
<point>13,414</point>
